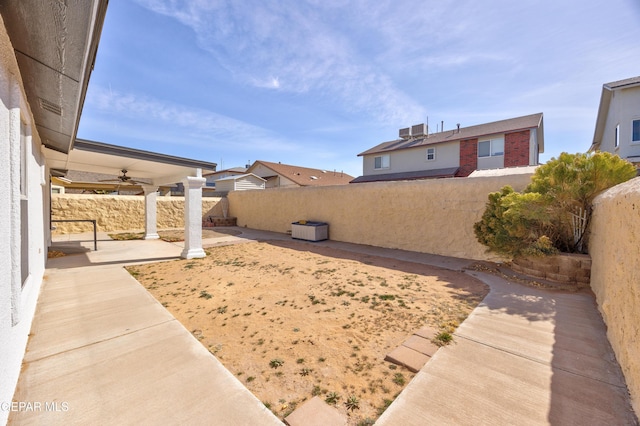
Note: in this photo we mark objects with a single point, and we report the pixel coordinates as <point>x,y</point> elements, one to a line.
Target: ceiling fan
<point>123,178</point>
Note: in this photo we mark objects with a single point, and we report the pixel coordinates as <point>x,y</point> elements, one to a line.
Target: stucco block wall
<point>118,212</point>
<point>615,275</point>
<point>429,216</point>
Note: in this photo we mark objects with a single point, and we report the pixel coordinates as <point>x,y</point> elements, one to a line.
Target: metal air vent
<point>50,106</point>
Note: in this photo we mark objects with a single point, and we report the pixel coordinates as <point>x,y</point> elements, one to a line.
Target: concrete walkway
<point>103,351</point>
<point>102,345</point>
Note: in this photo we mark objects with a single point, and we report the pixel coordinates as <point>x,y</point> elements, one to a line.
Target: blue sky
<point>315,82</point>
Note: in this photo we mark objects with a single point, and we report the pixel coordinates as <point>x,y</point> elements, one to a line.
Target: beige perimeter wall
<point>430,216</point>
<point>118,212</point>
<point>615,275</point>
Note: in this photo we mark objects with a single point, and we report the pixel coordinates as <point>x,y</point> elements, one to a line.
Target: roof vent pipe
<point>442,126</point>
<point>458,127</point>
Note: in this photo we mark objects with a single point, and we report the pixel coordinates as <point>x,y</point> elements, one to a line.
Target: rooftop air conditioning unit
<point>405,133</point>
<point>419,130</point>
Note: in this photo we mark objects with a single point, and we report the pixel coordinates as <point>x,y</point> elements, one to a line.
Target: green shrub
<point>554,211</point>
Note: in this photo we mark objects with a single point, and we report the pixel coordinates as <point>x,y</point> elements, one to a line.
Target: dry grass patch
<point>294,320</point>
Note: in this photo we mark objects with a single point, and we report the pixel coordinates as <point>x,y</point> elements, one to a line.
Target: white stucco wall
<point>17,301</point>
<point>624,107</point>
<point>410,160</point>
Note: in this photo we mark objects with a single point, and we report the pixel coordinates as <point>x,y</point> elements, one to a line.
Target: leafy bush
<point>554,211</point>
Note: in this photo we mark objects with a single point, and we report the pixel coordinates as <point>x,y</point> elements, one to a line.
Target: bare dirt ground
<point>293,320</point>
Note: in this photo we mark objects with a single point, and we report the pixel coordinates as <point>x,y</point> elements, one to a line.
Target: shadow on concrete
<point>80,261</point>
<point>523,302</point>
<point>585,372</point>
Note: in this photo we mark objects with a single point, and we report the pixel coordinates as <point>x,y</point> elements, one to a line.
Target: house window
<point>381,162</point>
<point>616,141</point>
<point>431,154</point>
<point>635,131</point>
<point>491,148</point>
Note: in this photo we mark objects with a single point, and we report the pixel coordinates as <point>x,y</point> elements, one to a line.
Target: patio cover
<point>158,169</point>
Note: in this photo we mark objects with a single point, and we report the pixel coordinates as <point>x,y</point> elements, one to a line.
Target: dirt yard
<point>292,320</point>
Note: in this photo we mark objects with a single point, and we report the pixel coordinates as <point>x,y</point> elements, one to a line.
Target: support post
<point>193,217</point>
<point>150,212</point>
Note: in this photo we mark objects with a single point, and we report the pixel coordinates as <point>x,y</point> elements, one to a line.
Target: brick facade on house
<point>468,157</point>
<point>516,149</point>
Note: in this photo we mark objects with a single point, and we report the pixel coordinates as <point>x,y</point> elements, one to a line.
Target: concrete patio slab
<point>420,344</point>
<point>426,332</point>
<point>407,357</point>
<point>315,412</point>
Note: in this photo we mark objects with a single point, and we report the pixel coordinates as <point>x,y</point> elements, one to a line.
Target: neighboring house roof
<point>237,170</point>
<point>471,132</point>
<point>605,102</point>
<point>421,174</point>
<point>304,176</point>
<point>238,177</point>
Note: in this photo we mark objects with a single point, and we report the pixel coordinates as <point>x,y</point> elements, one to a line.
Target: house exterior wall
<point>23,238</point>
<point>623,109</point>
<point>615,276</point>
<point>516,149</point>
<point>430,216</point>
<point>241,184</point>
<point>224,186</point>
<point>468,157</point>
<point>409,160</point>
<point>248,183</point>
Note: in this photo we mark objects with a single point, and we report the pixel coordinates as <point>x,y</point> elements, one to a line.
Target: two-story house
<point>618,123</point>
<point>418,154</point>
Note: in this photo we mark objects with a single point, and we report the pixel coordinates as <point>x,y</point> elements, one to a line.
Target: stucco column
<point>150,212</point>
<point>193,217</point>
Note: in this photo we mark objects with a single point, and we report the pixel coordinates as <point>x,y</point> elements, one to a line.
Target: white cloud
<point>309,47</point>
<point>194,125</point>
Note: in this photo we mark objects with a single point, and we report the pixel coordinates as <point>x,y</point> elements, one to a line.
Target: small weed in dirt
<point>443,338</point>
<point>399,379</point>
<point>385,405</point>
<point>276,362</point>
<point>332,398</point>
<point>352,403</point>
<point>205,295</point>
